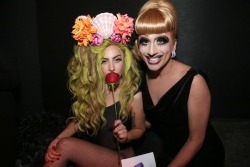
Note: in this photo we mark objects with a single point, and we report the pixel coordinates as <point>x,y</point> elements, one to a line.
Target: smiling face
<point>155,49</point>
<point>113,60</point>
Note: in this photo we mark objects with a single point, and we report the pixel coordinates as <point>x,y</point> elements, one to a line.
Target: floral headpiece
<point>93,31</point>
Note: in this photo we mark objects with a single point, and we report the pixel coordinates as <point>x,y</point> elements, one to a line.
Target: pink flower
<point>96,40</point>
<point>116,38</point>
<point>124,26</point>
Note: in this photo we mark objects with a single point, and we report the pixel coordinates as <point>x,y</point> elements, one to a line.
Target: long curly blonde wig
<point>88,86</point>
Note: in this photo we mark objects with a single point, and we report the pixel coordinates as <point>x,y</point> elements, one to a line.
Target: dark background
<point>36,45</point>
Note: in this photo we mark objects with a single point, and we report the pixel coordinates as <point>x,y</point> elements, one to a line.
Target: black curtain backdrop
<point>214,36</point>
<point>20,52</point>
<point>36,37</point>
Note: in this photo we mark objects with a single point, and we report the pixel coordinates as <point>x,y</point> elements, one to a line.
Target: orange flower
<point>83,30</point>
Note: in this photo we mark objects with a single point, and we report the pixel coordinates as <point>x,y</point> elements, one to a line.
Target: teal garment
<point>169,120</point>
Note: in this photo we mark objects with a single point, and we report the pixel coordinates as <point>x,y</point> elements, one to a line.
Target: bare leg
<point>84,154</point>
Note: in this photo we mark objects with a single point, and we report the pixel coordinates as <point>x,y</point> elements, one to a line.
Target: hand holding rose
<point>120,132</point>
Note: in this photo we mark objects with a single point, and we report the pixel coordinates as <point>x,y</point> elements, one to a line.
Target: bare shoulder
<point>138,96</point>
<point>199,86</point>
<point>137,99</point>
<point>199,80</point>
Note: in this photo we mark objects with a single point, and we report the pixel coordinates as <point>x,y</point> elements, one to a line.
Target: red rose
<point>112,78</point>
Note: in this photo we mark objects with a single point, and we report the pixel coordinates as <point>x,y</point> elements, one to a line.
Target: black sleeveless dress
<point>105,135</point>
<point>169,120</point>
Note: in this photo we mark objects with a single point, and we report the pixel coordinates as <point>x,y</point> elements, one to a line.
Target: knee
<point>64,143</point>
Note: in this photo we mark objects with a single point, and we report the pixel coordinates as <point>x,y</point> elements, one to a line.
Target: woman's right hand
<point>51,154</point>
<point>120,131</point>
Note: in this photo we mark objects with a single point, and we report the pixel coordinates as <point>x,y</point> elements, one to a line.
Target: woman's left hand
<point>120,132</point>
<point>51,154</point>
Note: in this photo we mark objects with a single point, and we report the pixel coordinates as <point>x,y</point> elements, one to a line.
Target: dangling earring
<point>173,55</point>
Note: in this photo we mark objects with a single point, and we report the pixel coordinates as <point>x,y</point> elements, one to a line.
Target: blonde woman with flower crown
<point>104,81</point>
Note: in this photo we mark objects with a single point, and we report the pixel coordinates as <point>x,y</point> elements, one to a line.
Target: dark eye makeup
<point>143,41</point>
<point>161,40</point>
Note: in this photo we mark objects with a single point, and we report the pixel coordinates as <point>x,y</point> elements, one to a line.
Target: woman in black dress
<point>176,96</point>
<point>107,105</point>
